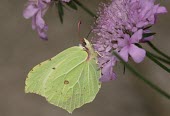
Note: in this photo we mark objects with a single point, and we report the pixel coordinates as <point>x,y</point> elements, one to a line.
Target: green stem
<point>149,83</point>
<point>84,8</point>
<point>149,55</point>
<point>158,51</point>
<point>160,58</point>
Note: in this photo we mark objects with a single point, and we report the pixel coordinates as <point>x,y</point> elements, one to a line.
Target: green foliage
<point>68,80</point>
<point>59,5</point>
<point>72,5</point>
<point>148,35</point>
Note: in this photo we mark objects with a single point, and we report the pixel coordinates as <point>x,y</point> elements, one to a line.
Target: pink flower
<point>128,47</point>
<point>36,10</point>
<point>121,25</point>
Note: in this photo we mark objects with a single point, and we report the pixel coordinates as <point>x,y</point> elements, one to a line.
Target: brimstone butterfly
<point>68,80</point>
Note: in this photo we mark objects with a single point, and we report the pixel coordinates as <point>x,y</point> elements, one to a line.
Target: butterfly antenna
<point>88,34</point>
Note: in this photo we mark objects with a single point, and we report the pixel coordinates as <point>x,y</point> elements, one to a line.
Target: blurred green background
<point>21,49</point>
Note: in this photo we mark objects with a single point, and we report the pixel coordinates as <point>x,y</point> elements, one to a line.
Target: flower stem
<point>153,58</point>
<point>150,56</point>
<point>84,8</point>
<point>158,51</point>
<point>160,58</point>
<point>149,83</point>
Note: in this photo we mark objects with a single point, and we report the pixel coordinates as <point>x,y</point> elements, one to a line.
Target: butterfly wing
<point>67,80</point>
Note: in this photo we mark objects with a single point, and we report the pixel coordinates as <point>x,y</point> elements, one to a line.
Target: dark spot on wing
<point>50,59</point>
<point>66,82</point>
<point>53,68</point>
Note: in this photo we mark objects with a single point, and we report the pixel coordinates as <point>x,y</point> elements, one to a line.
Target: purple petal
<point>124,53</point>
<point>162,10</point>
<point>107,71</point>
<point>126,36</point>
<point>42,34</point>
<point>106,78</point>
<point>122,42</point>
<point>39,20</point>
<point>146,7</point>
<point>136,37</point>
<point>142,24</point>
<point>146,39</point>
<point>30,11</point>
<point>137,53</point>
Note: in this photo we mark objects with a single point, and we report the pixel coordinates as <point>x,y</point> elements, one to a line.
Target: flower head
<point>36,10</point>
<point>119,27</point>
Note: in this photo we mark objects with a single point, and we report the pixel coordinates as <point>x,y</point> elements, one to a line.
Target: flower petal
<point>30,11</point>
<point>39,20</point>
<point>137,36</point>
<point>161,9</point>
<point>137,53</point>
<point>107,71</point>
<point>42,33</point>
<point>122,42</point>
<point>106,78</point>
<point>142,24</point>
<point>124,53</point>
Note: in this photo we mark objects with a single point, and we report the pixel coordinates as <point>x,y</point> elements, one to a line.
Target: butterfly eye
<point>84,44</point>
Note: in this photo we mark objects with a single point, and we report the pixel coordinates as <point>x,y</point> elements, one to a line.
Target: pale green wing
<point>68,80</point>
<point>75,88</point>
<point>39,75</point>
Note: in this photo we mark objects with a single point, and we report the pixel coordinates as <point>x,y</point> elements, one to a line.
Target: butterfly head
<point>89,48</point>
